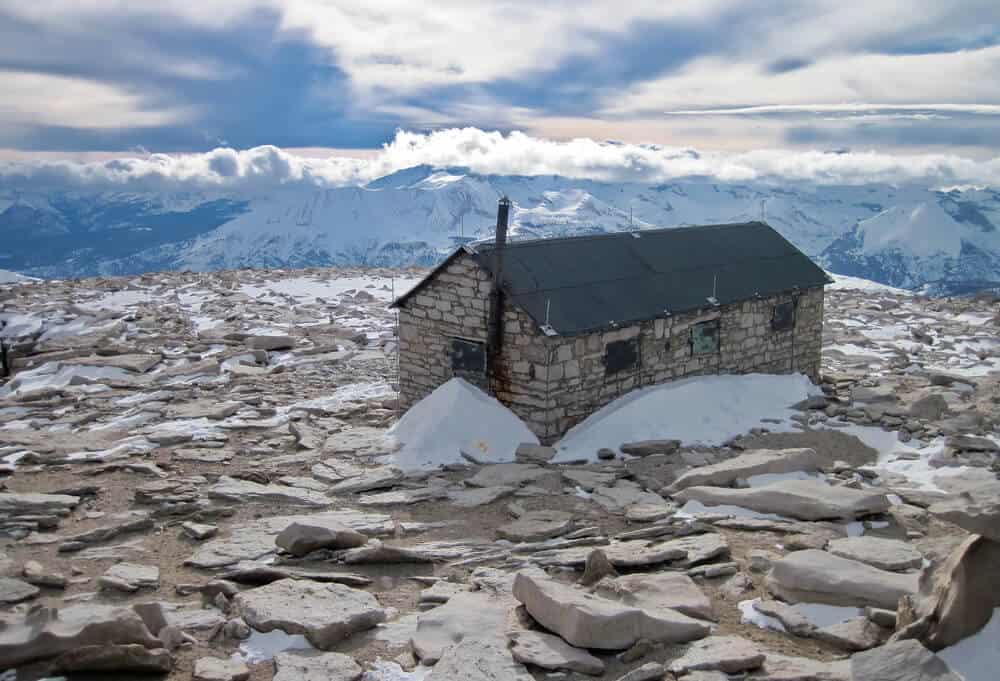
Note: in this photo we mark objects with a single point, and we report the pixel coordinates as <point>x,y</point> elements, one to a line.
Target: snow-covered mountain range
<point>906,236</point>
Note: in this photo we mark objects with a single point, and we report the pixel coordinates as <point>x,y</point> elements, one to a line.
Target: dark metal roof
<point>587,283</point>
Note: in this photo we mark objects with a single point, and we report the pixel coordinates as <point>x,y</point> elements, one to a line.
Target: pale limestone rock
<point>589,621</point>
<point>13,590</point>
<point>244,491</point>
<point>748,464</point>
<point>301,538</point>
<point>216,669</point>
<point>819,577</point>
<point>658,590</point>
<point>885,554</point>
<point>301,666</point>
<point>507,475</point>
<point>324,613</point>
<point>465,614</point>
<point>900,661</point>
<point>116,659</point>
<point>651,671</point>
<point>537,526</point>
<point>857,633</point>
<point>802,499</point>
<point>551,652</point>
<point>730,654</point>
<point>479,659</point>
<point>975,510</point>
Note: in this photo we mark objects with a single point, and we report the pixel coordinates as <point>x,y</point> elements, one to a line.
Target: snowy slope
<point>906,236</point>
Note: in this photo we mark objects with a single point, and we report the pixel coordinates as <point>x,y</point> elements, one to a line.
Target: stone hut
<point>573,323</point>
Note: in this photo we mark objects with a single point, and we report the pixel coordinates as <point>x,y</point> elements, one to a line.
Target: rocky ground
<point>198,483</point>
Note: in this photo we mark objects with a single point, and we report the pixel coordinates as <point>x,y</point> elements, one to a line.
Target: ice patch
<point>750,615</point>
<point>821,615</point>
<point>704,410</point>
<point>262,647</point>
<point>457,417</point>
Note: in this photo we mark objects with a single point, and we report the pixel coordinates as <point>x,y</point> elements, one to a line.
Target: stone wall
<point>456,305</point>
<point>553,383</point>
<point>580,384</point>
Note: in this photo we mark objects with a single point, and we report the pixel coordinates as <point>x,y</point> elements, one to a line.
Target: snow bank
<point>457,417</point>
<point>843,282</point>
<point>703,410</point>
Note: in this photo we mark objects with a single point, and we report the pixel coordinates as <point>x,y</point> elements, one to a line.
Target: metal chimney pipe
<point>495,326</point>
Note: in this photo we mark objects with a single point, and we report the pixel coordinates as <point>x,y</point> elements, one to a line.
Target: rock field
<point>196,482</point>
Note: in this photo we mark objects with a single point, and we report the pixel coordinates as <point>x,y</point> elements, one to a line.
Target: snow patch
<point>457,417</point>
<point>706,410</point>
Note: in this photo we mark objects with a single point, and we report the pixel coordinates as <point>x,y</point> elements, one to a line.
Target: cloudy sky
<point>84,79</point>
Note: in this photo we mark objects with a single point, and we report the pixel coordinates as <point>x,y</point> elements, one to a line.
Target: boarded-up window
<point>621,355</point>
<point>468,355</point>
<point>705,338</point>
<point>783,316</point>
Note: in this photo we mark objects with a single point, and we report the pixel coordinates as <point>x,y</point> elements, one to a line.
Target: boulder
<point>216,669</point>
<point>729,654</point>
<point>14,590</point>
<point>801,499</point>
<point>589,621</point>
<point>465,614</point>
<point>857,633</point>
<point>47,632</point>
<point>758,462</point>
<point>885,554</point>
<point>537,526</point>
<point>300,666</point>
<point>116,659</point>
<point>551,652</point>
<point>323,613</point>
<point>650,447</point>
<point>530,453</point>
<point>976,510</point>
<point>302,537</point>
<point>957,598</point>
<point>244,491</point>
<point>900,661</point>
<point>658,590</point>
<point>479,659</point>
<point>815,576</point>
<point>270,342</point>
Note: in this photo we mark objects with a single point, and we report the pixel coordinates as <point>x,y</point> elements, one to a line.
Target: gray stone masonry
<point>553,383</point>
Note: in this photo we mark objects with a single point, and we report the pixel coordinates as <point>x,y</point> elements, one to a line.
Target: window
<point>783,316</point>
<point>468,355</point>
<point>705,338</point>
<point>621,355</point>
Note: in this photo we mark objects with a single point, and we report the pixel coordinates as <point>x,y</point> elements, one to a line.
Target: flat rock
<point>507,475</point>
<point>216,669</point>
<point>255,539</point>
<point>976,510</point>
<point>624,494</point>
<point>465,614</point>
<point>658,590</point>
<point>857,633</point>
<point>531,453</point>
<point>376,478</point>
<point>301,538</point>
<point>115,658</point>
<point>757,462</point>
<point>136,363</point>
<point>639,553</point>
<point>551,652</point>
<point>785,668</point>
<point>537,526</point>
<point>479,496</point>
<point>296,666</point>
<point>650,447</point>
<point>589,621</point>
<point>46,632</point>
<point>198,531</point>
<point>131,577</point>
<point>14,590</point>
<point>270,342</point>
<point>334,471</point>
<point>814,576</point>
<point>729,654</point>
<point>587,479</point>
<point>885,554</point>
<point>34,503</point>
<point>323,613</point>
<point>651,671</point>
<point>203,409</point>
<point>802,499</point>
<point>901,661</point>
<point>35,573</point>
<point>244,491</point>
<point>480,659</point>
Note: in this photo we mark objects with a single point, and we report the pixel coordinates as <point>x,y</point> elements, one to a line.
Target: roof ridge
<point>488,244</point>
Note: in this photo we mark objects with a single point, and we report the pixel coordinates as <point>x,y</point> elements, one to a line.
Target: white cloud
<point>270,168</point>
<point>42,99</point>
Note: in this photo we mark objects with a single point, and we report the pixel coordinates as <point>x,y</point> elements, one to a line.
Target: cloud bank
<point>269,168</point>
